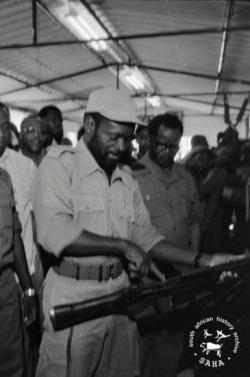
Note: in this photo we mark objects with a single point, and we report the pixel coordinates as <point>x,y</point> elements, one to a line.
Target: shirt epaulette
<point>140,169</point>
<point>127,169</point>
<point>179,164</point>
<point>138,166</point>
<point>181,169</point>
<point>58,150</point>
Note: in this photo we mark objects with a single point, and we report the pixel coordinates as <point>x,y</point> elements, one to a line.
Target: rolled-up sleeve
<point>144,233</point>
<point>56,227</point>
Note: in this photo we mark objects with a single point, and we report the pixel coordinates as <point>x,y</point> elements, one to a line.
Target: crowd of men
<point>81,222</point>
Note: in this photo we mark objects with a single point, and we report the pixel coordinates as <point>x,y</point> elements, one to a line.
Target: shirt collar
<point>122,173</point>
<point>88,164</point>
<point>171,175</point>
<point>151,165</point>
<point>54,143</point>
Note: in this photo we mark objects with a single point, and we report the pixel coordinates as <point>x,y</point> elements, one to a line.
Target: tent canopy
<point>186,54</point>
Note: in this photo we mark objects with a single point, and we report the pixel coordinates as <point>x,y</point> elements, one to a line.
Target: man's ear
<point>89,126</point>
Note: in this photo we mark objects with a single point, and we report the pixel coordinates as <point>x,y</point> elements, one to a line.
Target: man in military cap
<point>90,215</point>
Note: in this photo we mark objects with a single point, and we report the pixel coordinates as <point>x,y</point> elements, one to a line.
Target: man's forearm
<point>21,266</point>
<point>88,244</point>
<point>165,252</point>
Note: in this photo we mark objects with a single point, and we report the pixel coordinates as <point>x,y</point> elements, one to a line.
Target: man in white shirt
<point>21,171</point>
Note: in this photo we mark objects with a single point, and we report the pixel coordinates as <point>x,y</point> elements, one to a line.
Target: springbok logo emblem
<point>214,341</point>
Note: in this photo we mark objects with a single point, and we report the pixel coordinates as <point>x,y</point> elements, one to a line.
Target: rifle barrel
<point>67,315</point>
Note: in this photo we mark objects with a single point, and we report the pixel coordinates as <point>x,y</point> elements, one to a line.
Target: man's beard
<point>162,161</point>
<point>58,136</point>
<point>107,165</point>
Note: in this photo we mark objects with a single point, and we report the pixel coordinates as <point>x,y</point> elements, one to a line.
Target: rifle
<point>178,291</point>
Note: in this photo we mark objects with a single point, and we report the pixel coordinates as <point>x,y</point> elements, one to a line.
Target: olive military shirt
<point>171,198</point>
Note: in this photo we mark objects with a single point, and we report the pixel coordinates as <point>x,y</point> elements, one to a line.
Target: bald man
<point>33,138</point>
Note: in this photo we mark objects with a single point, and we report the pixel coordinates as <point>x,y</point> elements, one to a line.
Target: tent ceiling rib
<point>192,51</point>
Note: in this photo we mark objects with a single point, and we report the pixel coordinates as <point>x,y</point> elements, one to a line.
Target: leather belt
<point>97,272</point>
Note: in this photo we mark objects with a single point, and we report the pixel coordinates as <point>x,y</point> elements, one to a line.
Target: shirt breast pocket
<point>87,203</point>
<point>89,211</point>
<point>6,214</point>
<point>155,205</point>
<point>126,215</point>
<point>183,204</point>
<point>126,206</point>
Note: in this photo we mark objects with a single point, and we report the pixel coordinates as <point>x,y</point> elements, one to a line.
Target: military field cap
<point>113,105</point>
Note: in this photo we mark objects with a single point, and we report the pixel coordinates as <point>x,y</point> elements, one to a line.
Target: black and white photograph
<point>125,188</point>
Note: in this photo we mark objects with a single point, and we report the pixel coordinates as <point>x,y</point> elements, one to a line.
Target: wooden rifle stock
<point>63,316</point>
<point>67,315</point>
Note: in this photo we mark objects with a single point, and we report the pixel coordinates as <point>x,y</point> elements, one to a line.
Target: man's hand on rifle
<point>207,260</point>
<point>228,275</point>
<point>139,263</point>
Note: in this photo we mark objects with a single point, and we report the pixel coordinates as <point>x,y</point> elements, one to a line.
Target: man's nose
<point>121,145</point>
<point>163,150</point>
<point>37,134</point>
